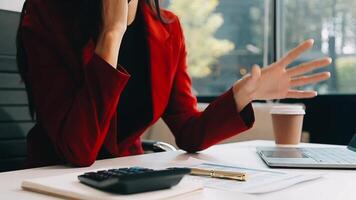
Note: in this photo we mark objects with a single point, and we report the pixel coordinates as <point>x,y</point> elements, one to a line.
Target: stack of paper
<point>68,186</point>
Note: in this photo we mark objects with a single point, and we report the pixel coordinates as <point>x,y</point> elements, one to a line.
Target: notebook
<point>68,186</point>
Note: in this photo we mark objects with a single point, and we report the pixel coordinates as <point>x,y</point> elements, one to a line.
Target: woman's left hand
<point>276,81</point>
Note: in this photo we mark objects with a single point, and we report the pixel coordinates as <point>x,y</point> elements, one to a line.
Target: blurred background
<point>224,38</point>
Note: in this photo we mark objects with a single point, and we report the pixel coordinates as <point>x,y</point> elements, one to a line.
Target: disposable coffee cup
<point>287,123</point>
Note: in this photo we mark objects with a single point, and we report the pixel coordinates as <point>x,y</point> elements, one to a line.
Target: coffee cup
<point>287,123</point>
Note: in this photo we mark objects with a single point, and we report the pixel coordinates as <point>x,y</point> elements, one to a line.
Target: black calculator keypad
<point>134,179</point>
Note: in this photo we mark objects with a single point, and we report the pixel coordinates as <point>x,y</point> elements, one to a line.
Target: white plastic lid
<point>288,110</point>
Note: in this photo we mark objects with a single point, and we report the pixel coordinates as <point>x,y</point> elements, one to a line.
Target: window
<point>224,39</point>
<point>332,24</point>
<point>263,30</point>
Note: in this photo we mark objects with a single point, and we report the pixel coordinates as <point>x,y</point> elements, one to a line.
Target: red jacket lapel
<point>160,50</point>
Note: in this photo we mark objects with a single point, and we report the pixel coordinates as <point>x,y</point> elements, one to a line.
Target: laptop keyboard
<point>330,155</point>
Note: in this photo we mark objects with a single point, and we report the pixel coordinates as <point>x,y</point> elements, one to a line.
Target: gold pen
<point>239,176</point>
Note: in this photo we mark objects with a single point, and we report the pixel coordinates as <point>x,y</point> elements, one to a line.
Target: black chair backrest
<point>15,121</point>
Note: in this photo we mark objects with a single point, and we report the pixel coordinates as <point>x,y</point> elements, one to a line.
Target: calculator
<point>134,179</point>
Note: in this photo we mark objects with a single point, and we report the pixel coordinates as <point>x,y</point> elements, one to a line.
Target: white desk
<point>337,184</point>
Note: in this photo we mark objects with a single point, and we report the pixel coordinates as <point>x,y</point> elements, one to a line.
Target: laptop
<point>310,157</point>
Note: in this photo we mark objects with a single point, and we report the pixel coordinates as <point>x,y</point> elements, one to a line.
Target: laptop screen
<point>352,144</point>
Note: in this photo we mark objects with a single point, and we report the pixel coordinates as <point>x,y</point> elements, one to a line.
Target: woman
<point>99,72</point>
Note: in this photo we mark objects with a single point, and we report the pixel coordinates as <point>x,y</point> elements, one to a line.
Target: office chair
<point>15,120</point>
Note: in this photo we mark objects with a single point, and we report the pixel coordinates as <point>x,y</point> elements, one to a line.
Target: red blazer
<point>76,97</point>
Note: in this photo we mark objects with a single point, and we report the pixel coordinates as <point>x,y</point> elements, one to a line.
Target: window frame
<point>276,45</point>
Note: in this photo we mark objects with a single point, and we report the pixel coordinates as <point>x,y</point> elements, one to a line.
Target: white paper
<point>258,180</point>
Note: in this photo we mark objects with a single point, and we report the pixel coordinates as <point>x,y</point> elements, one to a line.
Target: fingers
<point>255,72</point>
<point>296,52</point>
<point>300,94</point>
<point>304,80</point>
<point>309,66</point>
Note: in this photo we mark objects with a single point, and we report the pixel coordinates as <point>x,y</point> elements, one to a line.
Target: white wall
<point>13,5</point>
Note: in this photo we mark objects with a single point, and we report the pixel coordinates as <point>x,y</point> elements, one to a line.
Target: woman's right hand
<point>114,25</point>
<point>277,82</point>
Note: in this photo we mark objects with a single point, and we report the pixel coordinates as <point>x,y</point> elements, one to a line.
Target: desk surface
<point>337,184</point>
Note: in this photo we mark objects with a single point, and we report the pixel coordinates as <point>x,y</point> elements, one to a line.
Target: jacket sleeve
<point>195,130</point>
<point>74,112</point>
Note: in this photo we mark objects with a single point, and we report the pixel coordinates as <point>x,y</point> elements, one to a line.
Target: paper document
<point>258,180</point>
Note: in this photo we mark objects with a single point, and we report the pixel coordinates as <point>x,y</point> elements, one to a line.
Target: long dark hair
<point>89,20</point>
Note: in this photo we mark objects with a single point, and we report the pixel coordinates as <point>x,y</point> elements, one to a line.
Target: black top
<point>135,105</point>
